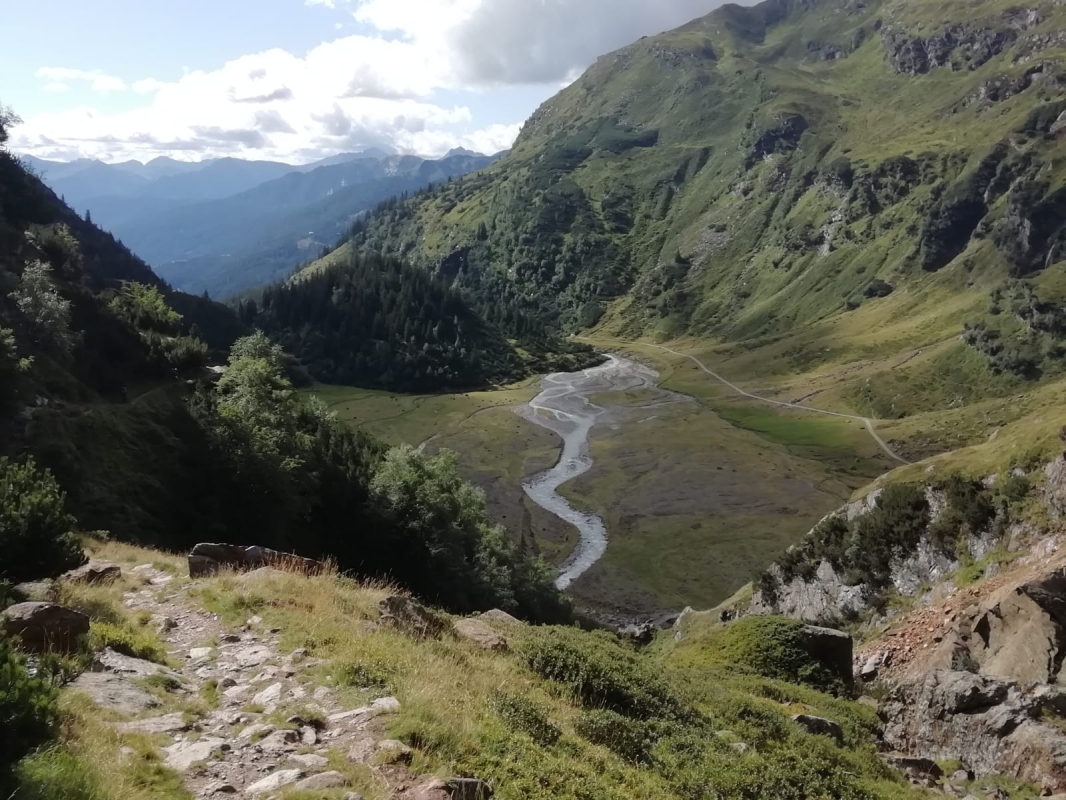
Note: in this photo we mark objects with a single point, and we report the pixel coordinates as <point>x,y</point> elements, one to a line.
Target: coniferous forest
<point>381,323</point>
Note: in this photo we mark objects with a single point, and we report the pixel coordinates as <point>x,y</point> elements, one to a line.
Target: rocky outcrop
<point>957,47</point>
<point>207,559</point>
<point>783,136</point>
<point>992,726</point>
<point>45,627</point>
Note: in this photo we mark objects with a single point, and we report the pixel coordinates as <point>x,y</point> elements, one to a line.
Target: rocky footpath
<point>267,725</point>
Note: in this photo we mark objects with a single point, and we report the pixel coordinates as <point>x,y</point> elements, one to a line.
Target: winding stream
<point>565,408</point>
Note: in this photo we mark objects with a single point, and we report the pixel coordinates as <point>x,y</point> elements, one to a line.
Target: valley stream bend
<point>565,407</point>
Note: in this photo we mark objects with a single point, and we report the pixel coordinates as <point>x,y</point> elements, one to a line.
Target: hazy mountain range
<point>228,225</point>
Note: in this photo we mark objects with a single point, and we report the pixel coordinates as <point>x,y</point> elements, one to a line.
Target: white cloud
<point>98,81</point>
<point>381,88</point>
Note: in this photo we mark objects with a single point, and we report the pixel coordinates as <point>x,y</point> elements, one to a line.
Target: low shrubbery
<point>36,536</point>
<point>28,713</point>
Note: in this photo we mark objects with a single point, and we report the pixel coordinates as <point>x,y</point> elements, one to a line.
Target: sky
<point>299,80</point>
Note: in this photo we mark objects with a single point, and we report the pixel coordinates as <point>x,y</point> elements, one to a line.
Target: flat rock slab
<point>182,755</point>
<point>116,692</point>
<point>271,783</point>
<point>120,664</point>
<point>322,782</point>
<point>168,723</point>
<point>255,656</point>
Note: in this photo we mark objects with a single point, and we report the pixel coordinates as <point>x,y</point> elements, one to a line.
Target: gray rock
<point>500,616</point>
<point>308,736</point>
<point>993,726</point>
<point>310,761</point>
<point>44,627</point>
<point>255,732</point>
<point>182,755</point>
<point>168,723</point>
<point>322,782</point>
<point>110,661</point>
<point>269,695</point>
<point>820,726</point>
<point>207,559</point>
<point>412,618</point>
<point>254,656</point>
<point>869,670</point>
<point>219,787</point>
<point>480,634</point>
<point>280,741</point>
<point>201,653</point>
<point>913,766</point>
<point>353,796</point>
<point>94,572</point>
<point>115,692</point>
<point>275,781</point>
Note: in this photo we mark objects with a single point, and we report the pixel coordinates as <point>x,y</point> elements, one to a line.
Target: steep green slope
<point>764,169</point>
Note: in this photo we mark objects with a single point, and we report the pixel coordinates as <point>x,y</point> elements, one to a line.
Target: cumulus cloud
<point>380,88</point>
<point>501,42</point>
<point>60,78</point>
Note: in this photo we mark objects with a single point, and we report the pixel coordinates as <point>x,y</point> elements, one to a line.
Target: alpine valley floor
<point>697,495</point>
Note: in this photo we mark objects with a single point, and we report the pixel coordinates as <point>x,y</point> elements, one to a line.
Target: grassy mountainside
<point>552,713</point>
<point>780,175</point>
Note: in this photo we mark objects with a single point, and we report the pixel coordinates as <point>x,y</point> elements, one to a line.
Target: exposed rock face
<point>782,137</point>
<point>957,46</point>
<point>208,559</point>
<point>991,725</point>
<point>44,627</point>
<point>411,617</point>
<point>94,572</point>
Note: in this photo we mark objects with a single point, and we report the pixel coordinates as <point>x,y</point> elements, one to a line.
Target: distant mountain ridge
<point>228,225</point>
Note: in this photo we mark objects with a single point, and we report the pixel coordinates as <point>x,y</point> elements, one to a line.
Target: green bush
<point>522,715</point>
<point>602,674</point>
<point>771,647</point>
<point>28,713</point>
<point>627,738</point>
<point>35,530</point>
<point>968,509</point>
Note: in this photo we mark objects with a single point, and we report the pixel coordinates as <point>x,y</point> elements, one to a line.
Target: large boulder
<point>94,572</point>
<point>207,559</point>
<point>412,618</point>
<point>480,634</point>
<point>45,627</point>
<point>995,727</point>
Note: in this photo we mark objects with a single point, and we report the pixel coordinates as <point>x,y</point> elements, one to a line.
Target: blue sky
<point>297,80</point>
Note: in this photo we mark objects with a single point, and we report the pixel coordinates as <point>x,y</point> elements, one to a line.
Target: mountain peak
<point>462,151</point>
